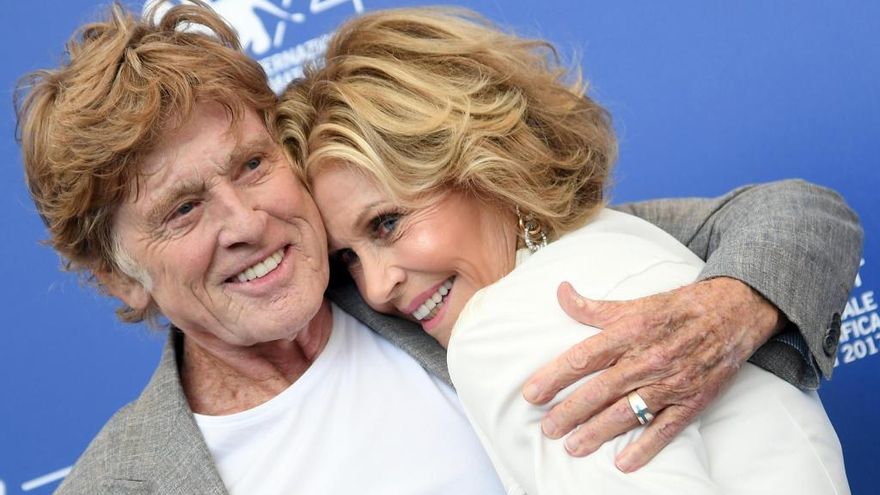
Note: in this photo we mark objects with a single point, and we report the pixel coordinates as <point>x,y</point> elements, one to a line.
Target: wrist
<point>763,317</point>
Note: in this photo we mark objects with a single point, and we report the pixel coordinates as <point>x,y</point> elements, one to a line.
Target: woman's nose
<point>382,280</point>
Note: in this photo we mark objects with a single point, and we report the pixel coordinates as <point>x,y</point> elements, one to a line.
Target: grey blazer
<point>796,243</point>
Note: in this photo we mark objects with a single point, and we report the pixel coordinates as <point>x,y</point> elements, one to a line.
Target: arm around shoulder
<point>796,243</point>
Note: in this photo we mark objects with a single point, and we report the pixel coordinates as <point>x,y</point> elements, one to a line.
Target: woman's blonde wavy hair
<point>427,99</point>
<point>86,126</point>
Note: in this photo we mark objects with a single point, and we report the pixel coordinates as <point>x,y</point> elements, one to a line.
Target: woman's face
<point>422,264</point>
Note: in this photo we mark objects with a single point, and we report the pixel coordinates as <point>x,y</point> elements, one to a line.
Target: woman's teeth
<point>261,268</point>
<point>429,308</point>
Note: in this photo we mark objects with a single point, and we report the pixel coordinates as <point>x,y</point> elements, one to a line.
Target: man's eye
<point>253,163</point>
<point>185,208</point>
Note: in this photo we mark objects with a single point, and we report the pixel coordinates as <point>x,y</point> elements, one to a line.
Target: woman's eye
<point>385,225</point>
<point>347,257</point>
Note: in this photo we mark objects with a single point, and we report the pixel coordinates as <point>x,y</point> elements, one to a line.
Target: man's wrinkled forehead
<point>178,133</point>
<point>189,154</point>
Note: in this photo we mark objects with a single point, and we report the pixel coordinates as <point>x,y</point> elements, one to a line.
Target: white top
<point>761,436</point>
<point>364,418</point>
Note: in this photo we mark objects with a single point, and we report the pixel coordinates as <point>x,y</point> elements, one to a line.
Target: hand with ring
<point>640,409</point>
<point>671,352</point>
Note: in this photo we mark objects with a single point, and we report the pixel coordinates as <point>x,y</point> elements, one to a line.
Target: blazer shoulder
<point>102,458</point>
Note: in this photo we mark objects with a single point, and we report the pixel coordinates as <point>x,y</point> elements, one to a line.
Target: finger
<point>615,420</point>
<point>586,357</point>
<point>669,423</point>
<point>582,309</point>
<point>590,398</point>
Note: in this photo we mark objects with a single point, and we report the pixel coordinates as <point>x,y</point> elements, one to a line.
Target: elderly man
<point>151,157</point>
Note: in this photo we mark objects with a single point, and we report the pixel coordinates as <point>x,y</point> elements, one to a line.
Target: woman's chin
<point>440,325</point>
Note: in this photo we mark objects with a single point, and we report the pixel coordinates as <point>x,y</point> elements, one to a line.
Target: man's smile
<point>261,268</point>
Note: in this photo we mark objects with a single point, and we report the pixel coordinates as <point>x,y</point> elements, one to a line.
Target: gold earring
<point>532,232</point>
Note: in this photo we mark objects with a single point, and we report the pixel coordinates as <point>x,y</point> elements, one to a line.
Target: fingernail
<point>624,462</point>
<point>549,428</point>
<point>531,392</point>
<point>577,299</point>
<point>572,444</point>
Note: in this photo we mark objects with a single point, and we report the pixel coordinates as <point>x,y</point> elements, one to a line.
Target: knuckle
<point>666,431</point>
<point>585,438</point>
<point>702,400</point>
<point>567,411</point>
<point>681,383</point>
<point>642,322</point>
<point>656,358</point>
<point>623,414</point>
<point>654,319</point>
<point>561,421</point>
<point>576,359</point>
<point>613,311</point>
<point>670,354</point>
<point>664,320</point>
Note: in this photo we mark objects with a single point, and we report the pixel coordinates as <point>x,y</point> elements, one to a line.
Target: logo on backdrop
<point>264,27</point>
<point>859,336</point>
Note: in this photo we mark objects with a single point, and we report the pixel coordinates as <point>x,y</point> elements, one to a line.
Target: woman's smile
<point>428,304</point>
<point>424,263</point>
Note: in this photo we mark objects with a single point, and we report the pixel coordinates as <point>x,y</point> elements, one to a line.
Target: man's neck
<point>220,381</point>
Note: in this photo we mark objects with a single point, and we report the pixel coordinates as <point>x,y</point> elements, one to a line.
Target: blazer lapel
<point>166,446</point>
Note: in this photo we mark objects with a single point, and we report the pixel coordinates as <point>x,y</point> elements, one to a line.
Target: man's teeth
<point>261,268</point>
<point>429,308</point>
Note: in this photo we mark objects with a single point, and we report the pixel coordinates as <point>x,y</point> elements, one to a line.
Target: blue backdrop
<point>705,96</point>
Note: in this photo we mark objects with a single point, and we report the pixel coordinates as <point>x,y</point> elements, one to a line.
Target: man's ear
<point>126,289</point>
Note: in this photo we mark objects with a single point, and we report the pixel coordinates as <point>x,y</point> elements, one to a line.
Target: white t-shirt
<point>364,418</point>
<point>761,436</point>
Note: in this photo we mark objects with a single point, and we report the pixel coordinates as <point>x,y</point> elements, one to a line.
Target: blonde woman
<point>461,180</point>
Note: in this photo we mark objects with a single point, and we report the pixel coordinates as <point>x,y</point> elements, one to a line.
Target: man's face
<point>230,241</point>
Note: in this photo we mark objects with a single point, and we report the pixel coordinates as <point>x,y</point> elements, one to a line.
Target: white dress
<point>761,436</point>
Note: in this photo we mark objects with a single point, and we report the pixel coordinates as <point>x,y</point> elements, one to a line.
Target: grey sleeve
<point>796,243</point>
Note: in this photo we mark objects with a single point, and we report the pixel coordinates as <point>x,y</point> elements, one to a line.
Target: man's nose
<point>242,221</point>
<point>382,279</point>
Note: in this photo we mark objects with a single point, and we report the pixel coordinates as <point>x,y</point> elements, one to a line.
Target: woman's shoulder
<point>612,244</point>
<point>612,247</point>
<point>615,228</point>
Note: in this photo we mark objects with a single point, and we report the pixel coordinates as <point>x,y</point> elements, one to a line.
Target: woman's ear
<point>126,289</point>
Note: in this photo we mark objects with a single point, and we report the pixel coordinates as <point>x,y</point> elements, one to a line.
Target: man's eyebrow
<point>245,150</point>
<point>169,199</point>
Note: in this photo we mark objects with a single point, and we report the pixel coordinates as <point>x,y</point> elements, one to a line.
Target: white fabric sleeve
<point>513,327</point>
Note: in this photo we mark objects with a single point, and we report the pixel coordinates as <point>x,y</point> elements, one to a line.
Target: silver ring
<point>638,406</point>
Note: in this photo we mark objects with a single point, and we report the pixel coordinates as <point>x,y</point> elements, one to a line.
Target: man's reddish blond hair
<point>125,83</point>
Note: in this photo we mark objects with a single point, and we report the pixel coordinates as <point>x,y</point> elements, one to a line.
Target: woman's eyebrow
<point>362,217</point>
